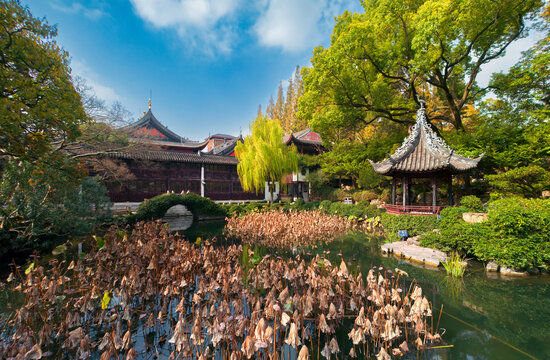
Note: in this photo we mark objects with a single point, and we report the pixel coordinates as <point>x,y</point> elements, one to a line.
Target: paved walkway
<point>415,253</point>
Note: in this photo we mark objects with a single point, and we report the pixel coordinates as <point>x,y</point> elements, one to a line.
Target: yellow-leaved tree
<point>263,157</point>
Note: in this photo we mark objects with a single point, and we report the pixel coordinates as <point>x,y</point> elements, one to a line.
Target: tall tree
<point>263,157</point>
<point>38,102</point>
<point>40,114</point>
<point>381,60</point>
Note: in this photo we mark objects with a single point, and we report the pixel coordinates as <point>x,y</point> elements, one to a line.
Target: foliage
<point>284,110</point>
<point>156,207</point>
<point>472,203</point>
<point>364,195</point>
<point>263,157</point>
<point>414,224</point>
<point>38,202</point>
<point>515,234</point>
<point>319,185</point>
<point>528,181</point>
<point>379,61</point>
<point>455,265</point>
<point>39,105</point>
<point>520,217</point>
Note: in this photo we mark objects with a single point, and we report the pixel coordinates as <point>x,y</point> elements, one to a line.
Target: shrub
<point>414,224</point>
<point>385,196</point>
<point>472,203</point>
<point>339,195</point>
<point>515,234</point>
<point>520,217</point>
<point>365,195</point>
<point>156,207</point>
<point>299,204</point>
<point>325,206</point>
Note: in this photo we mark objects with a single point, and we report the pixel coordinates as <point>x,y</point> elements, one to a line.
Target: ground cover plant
<point>151,293</point>
<point>281,229</point>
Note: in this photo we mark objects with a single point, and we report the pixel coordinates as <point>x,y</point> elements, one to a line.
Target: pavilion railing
<point>413,209</point>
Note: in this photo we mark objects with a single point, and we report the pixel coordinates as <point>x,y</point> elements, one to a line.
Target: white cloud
<point>296,25</point>
<point>76,8</point>
<point>205,24</point>
<point>101,90</point>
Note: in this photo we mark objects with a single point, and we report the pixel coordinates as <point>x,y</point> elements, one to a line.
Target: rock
<point>413,240</point>
<point>506,271</point>
<point>492,267</point>
<point>471,217</point>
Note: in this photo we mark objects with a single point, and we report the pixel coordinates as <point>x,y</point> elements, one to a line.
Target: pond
<point>485,317</point>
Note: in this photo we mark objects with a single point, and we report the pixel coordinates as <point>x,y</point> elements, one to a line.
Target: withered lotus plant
<point>150,292</point>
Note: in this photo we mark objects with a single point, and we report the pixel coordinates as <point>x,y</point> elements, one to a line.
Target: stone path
<point>415,253</point>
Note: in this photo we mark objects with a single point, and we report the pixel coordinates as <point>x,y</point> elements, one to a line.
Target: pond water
<point>484,317</point>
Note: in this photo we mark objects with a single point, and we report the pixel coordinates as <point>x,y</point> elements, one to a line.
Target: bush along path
<point>516,234</point>
<point>152,293</point>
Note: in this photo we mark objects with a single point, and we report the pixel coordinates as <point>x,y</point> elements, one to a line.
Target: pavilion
<point>423,154</point>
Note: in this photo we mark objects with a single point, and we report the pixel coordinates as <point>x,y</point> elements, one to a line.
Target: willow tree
<point>263,157</point>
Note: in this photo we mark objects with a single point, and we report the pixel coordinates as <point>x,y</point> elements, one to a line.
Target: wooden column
<point>393,194</point>
<point>202,180</point>
<point>405,191</point>
<point>434,192</point>
<point>450,190</point>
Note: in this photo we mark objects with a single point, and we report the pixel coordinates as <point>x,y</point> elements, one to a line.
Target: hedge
<point>414,224</point>
<point>360,210</point>
<point>156,207</point>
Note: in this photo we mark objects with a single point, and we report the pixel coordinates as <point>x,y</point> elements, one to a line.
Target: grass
<point>455,265</point>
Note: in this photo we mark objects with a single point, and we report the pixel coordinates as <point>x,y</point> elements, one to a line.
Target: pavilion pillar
<point>202,180</point>
<point>393,193</point>
<point>434,192</point>
<point>450,190</point>
<point>405,191</point>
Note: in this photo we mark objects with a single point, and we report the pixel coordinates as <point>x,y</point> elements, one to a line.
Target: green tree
<point>38,103</point>
<point>381,60</point>
<point>43,189</point>
<point>263,157</point>
<point>526,181</point>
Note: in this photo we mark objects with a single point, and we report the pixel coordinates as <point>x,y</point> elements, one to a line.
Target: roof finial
<point>149,103</point>
<point>422,102</point>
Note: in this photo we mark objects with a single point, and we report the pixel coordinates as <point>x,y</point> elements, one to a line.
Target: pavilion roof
<point>423,151</point>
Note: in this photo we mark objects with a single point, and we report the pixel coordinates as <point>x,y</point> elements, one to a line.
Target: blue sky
<point>207,63</point>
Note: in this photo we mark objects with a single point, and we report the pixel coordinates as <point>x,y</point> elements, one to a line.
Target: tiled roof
<point>226,148</point>
<point>424,151</point>
<point>150,121</point>
<point>175,157</point>
<point>222,136</point>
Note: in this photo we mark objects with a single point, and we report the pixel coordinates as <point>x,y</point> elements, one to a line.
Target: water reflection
<point>484,318</point>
